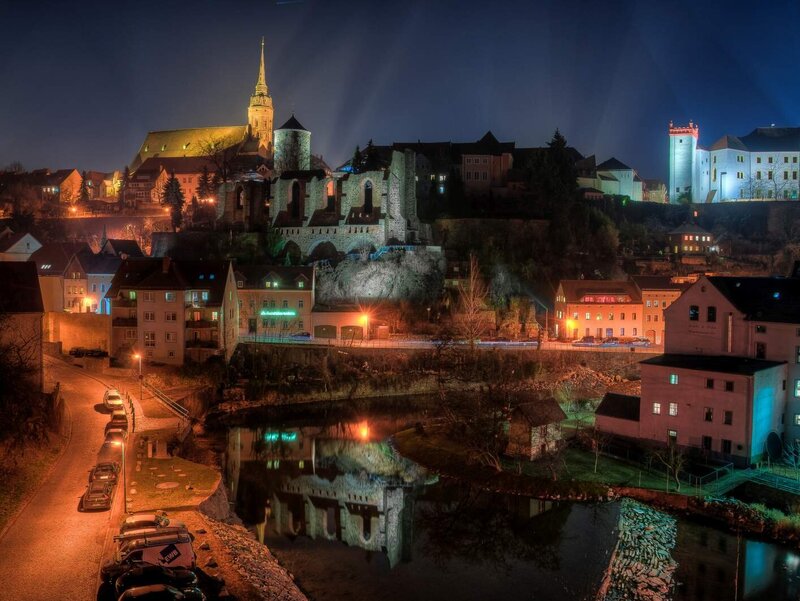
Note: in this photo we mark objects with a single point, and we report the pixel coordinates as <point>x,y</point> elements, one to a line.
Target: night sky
<point>83,83</point>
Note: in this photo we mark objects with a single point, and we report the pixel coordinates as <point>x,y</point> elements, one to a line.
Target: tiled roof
<point>292,123</point>
<point>717,364</point>
<point>187,142</point>
<point>620,406</point>
<point>762,298</point>
<point>119,247</point>
<point>54,257</point>
<point>731,142</point>
<point>189,164</point>
<point>613,164</point>
<point>772,139</point>
<point>658,282</point>
<point>575,290</point>
<point>168,274</point>
<point>689,228</point>
<point>254,276</point>
<point>20,292</point>
<point>541,412</point>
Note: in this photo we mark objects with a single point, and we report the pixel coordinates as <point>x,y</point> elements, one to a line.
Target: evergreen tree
<point>355,164</point>
<point>83,190</point>
<point>123,188</point>
<point>172,195</point>
<point>205,187</point>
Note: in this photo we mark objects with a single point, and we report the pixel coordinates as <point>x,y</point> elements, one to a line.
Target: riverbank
<point>442,455</point>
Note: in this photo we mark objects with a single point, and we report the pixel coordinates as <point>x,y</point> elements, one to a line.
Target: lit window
<point>169,297</point>
<point>149,338</point>
<point>673,378</point>
<point>204,295</point>
<point>673,409</point>
<point>708,414</point>
<point>797,388</point>
<point>656,408</point>
<point>301,284</point>
<point>215,316</point>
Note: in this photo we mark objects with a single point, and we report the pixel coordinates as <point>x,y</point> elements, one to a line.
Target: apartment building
<point>274,301</point>
<point>174,311</point>
<point>61,288</point>
<point>658,293</point>
<point>600,308</point>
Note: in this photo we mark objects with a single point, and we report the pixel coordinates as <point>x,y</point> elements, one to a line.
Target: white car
<point>112,399</point>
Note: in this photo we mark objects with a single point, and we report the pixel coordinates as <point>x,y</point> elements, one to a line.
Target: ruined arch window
<point>295,200</point>
<point>368,197</point>
<point>331,197</point>
<point>240,198</point>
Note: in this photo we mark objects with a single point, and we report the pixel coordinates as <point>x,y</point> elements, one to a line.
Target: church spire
<point>261,84</point>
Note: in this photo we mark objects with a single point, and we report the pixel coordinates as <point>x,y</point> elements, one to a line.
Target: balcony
<point>200,324</point>
<point>124,322</point>
<point>210,344</point>
<point>123,302</point>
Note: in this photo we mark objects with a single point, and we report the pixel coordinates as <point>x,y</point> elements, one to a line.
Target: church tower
<point>259,113</point>
<point>682,161</point>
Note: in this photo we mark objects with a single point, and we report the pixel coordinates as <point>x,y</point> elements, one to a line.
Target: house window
<point>285,304</point>
<point>130,334</point>
<point>761,350</point>
<point>634,317</point>
<point>673,409</point>
<point>706,443</point>
<point>761,329</point>
<point>672,435</point>
<point>711,314</point>
<point>169,297</point>
<point>149,316</point>
<point>726,447</point>
<point>589,316</point>
<point>300,304</point>
<point>708,414</point>
<point>694,313</point>
<point>149,297</point>
<point>710,383</point>
<point>170,316</point>
<point>797,419</point>
<point>171,337</point>
<point>301,284</point>
<point>656,408</point>
<point>728,418</point>
<point>622,316</point>
<point>215,316</point>
<point>149,338</point>
<point>239,284</point>
<point>797,354</point>
<point>204,295</point>
<point>94,287</point>
<point>797,388</point>
<point>299,324</point>
<point>673,378</point>
<point>728,386</point>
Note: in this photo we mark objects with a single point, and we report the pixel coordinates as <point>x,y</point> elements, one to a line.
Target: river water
<point>351,519</point>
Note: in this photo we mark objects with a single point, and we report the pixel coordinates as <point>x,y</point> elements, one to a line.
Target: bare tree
<point>597,441</point>
<point>222,153</point>
<point>673,459</point>
<point>472,305</point>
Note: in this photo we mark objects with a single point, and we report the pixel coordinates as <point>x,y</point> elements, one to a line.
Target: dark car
<point>161,592</point>
<point>585,341</point>
<point>117,424</point>
<point>148,574</point>
<point>98,496</point>
<point>78,351</point>
<point>106,471</point>
<point>96,352</point>
<point>611,341</point>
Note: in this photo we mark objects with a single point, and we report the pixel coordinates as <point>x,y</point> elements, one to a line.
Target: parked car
<point>117,425</point>
<point>161,592</point>
<point>641,342</point>
<point>106,471</point>
<point>115,437</point>
<point>148,520</point>
<point>112,399</point>
<point>146,575</point>
<point>585,341</point>
<point>96,352</point>
<point>78,351</point>
<point>98,496</point>
<point>118,419</point>
<point>300,335</point>
<point>173,550</point>
<point>612,341</point>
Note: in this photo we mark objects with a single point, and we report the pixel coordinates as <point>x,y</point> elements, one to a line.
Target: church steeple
<point>261,84</point>
<point>260,111</point>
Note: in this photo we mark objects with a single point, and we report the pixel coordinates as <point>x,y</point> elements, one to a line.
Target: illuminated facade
<point>763,165</point>
<point>274,301</point>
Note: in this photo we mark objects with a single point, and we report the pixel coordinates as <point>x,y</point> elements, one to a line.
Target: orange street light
<point>363,431</point>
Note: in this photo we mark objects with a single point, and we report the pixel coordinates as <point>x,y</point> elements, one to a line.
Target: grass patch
<point>20,481</point>
<point>195,481</point>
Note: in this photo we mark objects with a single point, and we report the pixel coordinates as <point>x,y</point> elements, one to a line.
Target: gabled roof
<point>689,228</point>
<point>10,240</point>
<point>658,282</point>
<point>119,247</point>
<point>488,144</point>
<point>20,292</point>
<point>762,298</point>
<point>726,141</point>
<point>254,276</point>
<point>576,290</point>
<point>613,164</point>
<point>719,364</point>
<point>167,274</point>
<point>292,123</point>
<point>98,264</point>
<point>187,142</point>
<point>772,139</point>
<point>620,406</point>
<point>541,412</point>
<point>54,257</point>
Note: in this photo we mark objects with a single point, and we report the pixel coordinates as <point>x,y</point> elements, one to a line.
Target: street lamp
<point>124,477</point>
<point>141,381</point>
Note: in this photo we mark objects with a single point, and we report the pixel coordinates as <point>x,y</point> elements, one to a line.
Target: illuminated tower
<point>682,158</point>
<point>259,113</point>
<point>292,147</point>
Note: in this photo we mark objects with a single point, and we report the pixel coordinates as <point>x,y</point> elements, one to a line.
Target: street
<point>53,551</point>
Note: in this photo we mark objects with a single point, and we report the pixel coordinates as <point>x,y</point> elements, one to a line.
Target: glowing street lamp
<point>363,431</point>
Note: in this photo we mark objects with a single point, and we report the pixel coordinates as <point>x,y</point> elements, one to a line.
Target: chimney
<point>165,264</point>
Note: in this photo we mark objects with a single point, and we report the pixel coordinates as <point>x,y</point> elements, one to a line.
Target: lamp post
<point>141,381</point>
<point>124,478</point>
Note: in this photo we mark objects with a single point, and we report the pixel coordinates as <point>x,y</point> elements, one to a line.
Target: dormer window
<point>267,284</point>
<point>301,284</point>
<point>239,284</point>
<point>274,284</point>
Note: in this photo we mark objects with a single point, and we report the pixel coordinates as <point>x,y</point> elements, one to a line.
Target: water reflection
<point>353,519</point>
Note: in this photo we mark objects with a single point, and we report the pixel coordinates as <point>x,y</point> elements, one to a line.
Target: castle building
<point>255,136</point>
<point>763,165</point>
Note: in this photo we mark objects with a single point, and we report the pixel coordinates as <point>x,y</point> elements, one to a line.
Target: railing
<point>124,322</point>
<point>182,413</point>
<point>200,323</point>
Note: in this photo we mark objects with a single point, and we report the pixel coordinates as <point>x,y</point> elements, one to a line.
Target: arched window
<point>368,197</point>
<point>330,205</point>
<point>295,212</point>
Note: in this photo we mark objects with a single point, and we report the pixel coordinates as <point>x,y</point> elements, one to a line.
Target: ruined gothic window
<point>368,197</point>
<point>331,197</point>
<point>295,200</point>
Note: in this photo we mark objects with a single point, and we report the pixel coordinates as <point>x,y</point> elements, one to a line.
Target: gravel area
<point>255,563</point>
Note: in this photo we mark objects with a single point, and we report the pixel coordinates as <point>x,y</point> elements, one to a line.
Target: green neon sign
<point>284,436</point>
<point>285,313</point>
